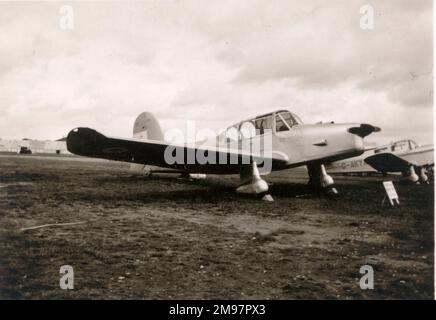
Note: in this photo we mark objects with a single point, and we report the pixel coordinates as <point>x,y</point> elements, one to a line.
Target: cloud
<point>327,48</point>
<point>214,62</point>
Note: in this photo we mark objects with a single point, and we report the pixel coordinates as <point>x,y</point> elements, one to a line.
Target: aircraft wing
<point>388,162</point>
<point>88,142</point>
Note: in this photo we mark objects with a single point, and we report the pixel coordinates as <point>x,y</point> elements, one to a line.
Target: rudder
<point>146,126</point>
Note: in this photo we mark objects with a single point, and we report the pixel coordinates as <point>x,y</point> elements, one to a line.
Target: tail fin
<point>147,127</point>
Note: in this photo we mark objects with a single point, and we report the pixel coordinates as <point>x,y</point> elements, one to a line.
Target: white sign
<point>391,192</point>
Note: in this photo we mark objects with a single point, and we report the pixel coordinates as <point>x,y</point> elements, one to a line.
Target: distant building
<point>59,147</point>
<point>35,146</point>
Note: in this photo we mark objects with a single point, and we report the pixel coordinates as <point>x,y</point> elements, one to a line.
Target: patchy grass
<point>169,238</point>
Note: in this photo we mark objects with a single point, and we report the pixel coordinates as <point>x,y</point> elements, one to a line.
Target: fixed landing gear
<point>416,175</point>
<point>319,180</point>
<point>423,177</point>
<point>252,183</point>
<point>410,175</point>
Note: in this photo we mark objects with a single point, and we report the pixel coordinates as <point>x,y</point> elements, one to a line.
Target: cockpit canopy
<point>273,122</point>
<point>398,146</point>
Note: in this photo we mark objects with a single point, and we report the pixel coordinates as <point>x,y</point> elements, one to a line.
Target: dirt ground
<point>156,238</point>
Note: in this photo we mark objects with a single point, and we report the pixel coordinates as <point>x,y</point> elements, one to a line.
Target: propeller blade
<point>364,130</point>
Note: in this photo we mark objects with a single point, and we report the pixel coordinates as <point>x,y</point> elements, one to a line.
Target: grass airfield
<point>167,238</point>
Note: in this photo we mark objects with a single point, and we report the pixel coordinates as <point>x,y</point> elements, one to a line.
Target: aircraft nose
<point>359,132</point>
<point>363,130</point>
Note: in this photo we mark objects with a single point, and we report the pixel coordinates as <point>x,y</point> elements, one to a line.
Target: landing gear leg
<point>410,175</point>
<point>320,180</point>
<point>423,175</point>
<point>252,183</point>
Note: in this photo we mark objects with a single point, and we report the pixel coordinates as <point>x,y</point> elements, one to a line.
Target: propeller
<point>364,130</point>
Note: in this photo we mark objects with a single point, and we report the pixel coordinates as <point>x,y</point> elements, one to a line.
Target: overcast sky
<point>215,62</point>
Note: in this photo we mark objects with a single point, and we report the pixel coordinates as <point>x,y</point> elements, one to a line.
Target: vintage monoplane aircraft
<point>274,141</point>
<point>404,156</point>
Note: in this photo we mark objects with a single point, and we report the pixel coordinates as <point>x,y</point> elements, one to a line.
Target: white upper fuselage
<point>283,135</point>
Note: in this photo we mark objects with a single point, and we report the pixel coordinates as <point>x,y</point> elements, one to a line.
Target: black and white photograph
<point>188,150</point>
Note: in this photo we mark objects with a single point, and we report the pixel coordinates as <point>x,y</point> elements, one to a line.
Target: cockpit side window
<point>262,125</point>
<point>280,124</point>
<point>285,121</point>
<point>247,130</point>
<point>297,119</point>
<point>412,144</point>
<point>289,119</point>
<point>380,150</point>
<point>400,146</point>
<point>231,135</point>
